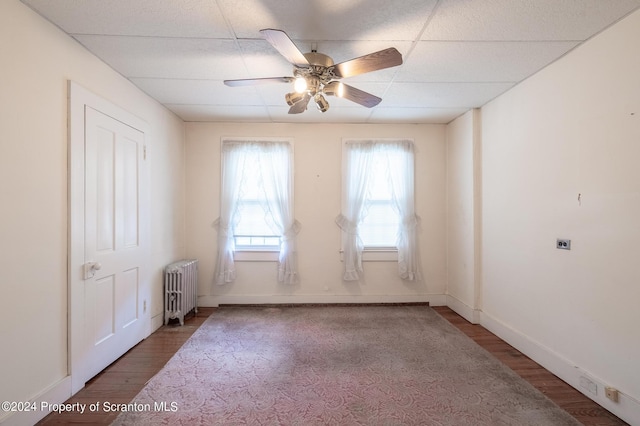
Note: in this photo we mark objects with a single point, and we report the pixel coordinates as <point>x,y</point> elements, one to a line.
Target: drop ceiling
<point>458,54</point>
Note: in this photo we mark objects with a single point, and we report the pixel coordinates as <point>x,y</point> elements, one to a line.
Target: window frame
<point>244,253</point>
<point>370,253</point>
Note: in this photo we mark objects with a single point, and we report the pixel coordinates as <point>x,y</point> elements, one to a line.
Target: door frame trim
<point>79,99</point>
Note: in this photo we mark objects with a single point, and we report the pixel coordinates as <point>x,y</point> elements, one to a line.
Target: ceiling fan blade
<point>258,81</point>
<point>301,105</point>
<point>283,44</point>
<point>372,62</point>
<point>360,97</point>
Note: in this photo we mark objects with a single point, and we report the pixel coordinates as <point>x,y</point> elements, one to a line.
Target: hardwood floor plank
<point>565,396</point>
<point>122,380</point>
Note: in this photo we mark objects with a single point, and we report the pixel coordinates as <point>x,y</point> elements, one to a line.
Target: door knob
<point>90,269</point>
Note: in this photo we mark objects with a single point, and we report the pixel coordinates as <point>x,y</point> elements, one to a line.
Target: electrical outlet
<point>611,393</point>
<point>563,244</point>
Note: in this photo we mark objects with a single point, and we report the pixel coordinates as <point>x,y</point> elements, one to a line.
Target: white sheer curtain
<point>358,161</point>
<point>233,166</point>
<point>398,159</point>
<point>275,168</point>
<point>277,173</point>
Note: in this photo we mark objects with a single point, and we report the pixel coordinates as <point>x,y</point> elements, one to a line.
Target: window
<point>379,227</point>
<point>256,206</point>
<point>253,229</point>
<point>378,214</point>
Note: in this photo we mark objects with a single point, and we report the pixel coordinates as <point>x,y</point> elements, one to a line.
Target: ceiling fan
<point>316,75</point>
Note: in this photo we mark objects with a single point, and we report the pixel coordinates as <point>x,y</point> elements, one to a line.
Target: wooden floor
<point>579,406</point>
<point>122,380</point>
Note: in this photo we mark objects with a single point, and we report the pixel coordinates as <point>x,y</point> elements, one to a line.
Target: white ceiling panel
<point>451,61</point>
<point>197,92</point>
<point>163,18</point>
<point>457,54</point>
<point>443,95</point>
<point>416,115</point>
<point>524,19</point>
<point>315,21</point>
<point>254,114</point>
<point>262,60</point>
<point>159,57</point>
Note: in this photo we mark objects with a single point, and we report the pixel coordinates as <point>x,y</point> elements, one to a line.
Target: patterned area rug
<point>368,365</point>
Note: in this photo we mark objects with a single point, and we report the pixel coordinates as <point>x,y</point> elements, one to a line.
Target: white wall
<point>463,215</point>
<point>574,128</point>
<point>37,61</point>
<point>317,163</point>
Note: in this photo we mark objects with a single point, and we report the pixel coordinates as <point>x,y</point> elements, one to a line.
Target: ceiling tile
<point>444,61</point>
<point>443,95</point>
<point>316,21</point>
<point>263,60</point>
<point>254,114</point>
<point>197,92</point>
<point>416,115</point>
<point>167,18</point>
<point>514,20</point>
<point>168,57</point>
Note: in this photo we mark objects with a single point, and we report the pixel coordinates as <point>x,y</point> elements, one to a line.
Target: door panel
<point>130,154</point>
<point>104,188</point>
<point>100,292</point>
<point>128,297</point>
<point>113,302</point>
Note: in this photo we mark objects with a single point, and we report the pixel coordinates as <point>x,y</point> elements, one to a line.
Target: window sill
<point>256,255</point>
<point>380,255</point>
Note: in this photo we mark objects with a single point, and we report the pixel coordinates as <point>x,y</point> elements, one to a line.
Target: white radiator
<point>181,289</point>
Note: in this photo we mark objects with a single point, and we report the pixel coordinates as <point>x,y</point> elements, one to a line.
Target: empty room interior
<point>519,205</point>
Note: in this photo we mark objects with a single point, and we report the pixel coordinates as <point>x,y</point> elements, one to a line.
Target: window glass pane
<point>251,177</point>
<point>380,186</point>
<point>243,241</point>
<point>272,241</point>
<point>252,219</point>
<point>380,226</point>
<point>252,228</point>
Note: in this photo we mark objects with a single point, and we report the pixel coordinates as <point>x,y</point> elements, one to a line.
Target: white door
<point>115,252</point>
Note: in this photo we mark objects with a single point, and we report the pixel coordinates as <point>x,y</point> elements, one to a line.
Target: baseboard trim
<point>319,305</point>
<point>215,301</point>
<point>465,311</point>
<point>627,407</point>
<point>157,321</point>
<point>56,394</point>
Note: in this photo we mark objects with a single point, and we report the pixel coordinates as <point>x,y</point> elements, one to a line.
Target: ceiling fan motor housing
<point>319,59</point>
<point>318,73</point>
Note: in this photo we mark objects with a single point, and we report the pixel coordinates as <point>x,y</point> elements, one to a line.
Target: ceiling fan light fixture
<point>321,102</point>
<point>314,74</point>
<point>300,85</point>
<point>293,98</point>
<point>334,88</point>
